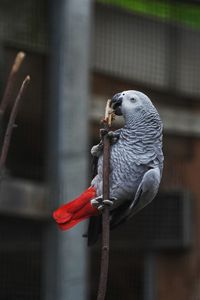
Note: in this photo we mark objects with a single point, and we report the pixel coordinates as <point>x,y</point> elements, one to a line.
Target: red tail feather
<point>68,215</point>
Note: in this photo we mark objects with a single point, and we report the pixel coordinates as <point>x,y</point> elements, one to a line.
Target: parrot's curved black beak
<point>116,103</point>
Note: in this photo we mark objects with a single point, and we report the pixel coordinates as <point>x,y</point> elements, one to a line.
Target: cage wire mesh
<point>23,24</point>
<point>149,42</point>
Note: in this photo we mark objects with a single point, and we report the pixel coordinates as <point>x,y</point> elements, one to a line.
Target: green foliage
<point>183,13</point>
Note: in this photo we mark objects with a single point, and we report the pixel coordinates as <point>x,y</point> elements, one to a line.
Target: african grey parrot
<point>136,163</point>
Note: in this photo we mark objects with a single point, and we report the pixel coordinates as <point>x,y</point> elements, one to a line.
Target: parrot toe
<point>101,207</point>
<point>108,202</point>
<point>103,132</point>
<point>95,202</point>
<point>99,203</point>
<point>114,136</point>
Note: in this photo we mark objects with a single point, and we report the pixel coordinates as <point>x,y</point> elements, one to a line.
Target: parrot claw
<point>94,202</point>
<point>98,149</point>
<point>114,136</point>
<point>99,203</point>
<point>108,202</point>
<point>103,132</point>
<point>101,207</point>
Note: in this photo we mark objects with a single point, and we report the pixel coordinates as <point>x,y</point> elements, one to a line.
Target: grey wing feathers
<point>146,192</point>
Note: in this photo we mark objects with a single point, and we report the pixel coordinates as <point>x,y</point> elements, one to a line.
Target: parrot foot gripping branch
<point>99,203</point>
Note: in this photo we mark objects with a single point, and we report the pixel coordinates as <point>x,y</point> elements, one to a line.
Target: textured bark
<point>105,216</point>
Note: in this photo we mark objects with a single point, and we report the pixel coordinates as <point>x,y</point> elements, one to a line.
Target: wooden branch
<point>109,115</point>
<point>11,123</point>
<point>11,81</point>
<point>105,214</point>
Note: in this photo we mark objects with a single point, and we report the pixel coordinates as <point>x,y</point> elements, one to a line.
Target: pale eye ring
<point>133,99</point>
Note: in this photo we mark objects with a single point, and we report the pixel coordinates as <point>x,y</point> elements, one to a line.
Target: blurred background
<point>79,54</point>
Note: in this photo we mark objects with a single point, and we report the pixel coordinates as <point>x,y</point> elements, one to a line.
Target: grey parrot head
<point>130,103</point>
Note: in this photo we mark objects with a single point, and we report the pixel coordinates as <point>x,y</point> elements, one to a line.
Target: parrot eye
<point>132,99</point>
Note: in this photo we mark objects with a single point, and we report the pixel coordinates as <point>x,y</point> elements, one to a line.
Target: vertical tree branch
<point>10,82</point>
<point>105,215</point>
<point>11,123</point>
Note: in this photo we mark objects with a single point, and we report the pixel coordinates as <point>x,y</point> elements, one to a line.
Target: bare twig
<point>11,81</point>
<point>105,215</point>
<point>109,114</point>
<point>11,123</point>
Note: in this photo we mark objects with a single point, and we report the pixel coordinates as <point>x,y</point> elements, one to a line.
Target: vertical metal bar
<point>65,255</point>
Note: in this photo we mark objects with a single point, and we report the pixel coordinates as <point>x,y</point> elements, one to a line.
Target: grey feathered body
<point>138,149</point>
<point>136,161</point>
